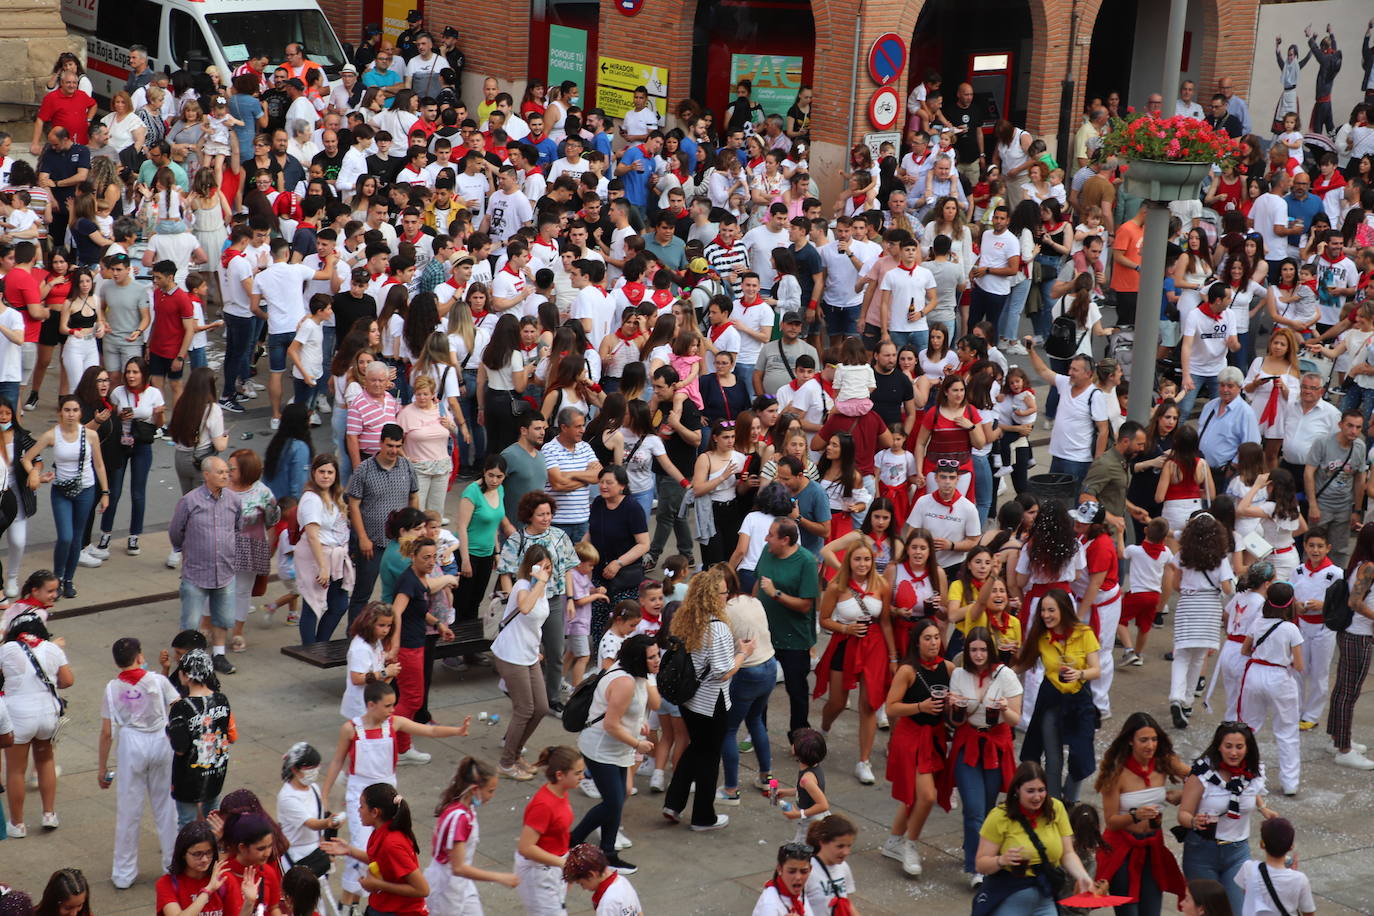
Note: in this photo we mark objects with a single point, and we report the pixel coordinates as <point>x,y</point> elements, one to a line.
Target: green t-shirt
<point>796,576</point>
<point>393,564</point>
<point>486,518</point>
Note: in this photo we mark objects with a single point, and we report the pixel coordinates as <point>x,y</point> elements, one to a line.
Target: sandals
<point>238,644</point>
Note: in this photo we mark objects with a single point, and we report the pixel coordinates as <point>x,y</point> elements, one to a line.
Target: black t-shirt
<point>413,620</point>
<point>275,102</point>
<point>613,530</point>
<point>800,118</point>
<point>329,163</point>
<point>198,728</point>
<point>682,454</point>
<point>251,168</point>
<point>385,168</point>
<point>893,391</point>
<point>808,265</point>
<point>87,252</point>
<point>348,309</point>
<point>970,142</point>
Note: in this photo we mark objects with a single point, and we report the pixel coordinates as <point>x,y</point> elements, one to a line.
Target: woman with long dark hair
<point>1080,305</point>
<point>348,369</point>
<point>1185,481</point>
<point>1133,780</point>
<point>501,377</point>
<point>324,571</point>
<point>1025,224</point>
<point>1159,438</point>
<point>79,484</point>
<point>951,431</point>
<point>140,408</point>
<point>1192,272</point>
<point>837,473</point>
<point>286,463</point>
<point>1064,715</point>
<point>198,880</point>
<point>716,477</point>
<point>1203,575</point>
<point>1226,787</point>
<point>196,428</point>
<point>918,587</point>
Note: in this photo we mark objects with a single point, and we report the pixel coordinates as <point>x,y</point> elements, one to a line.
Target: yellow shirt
<point>1076,648</point>
<point>1011,634</point>
<point>956,597</point>
<point>1006,833</point>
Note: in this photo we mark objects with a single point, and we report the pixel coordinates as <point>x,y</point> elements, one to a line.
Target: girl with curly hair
<point>1204,578</point>
<point>1051,557</point>
<point>1133,780</point>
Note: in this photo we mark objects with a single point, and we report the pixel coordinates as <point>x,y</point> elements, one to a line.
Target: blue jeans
<point>1010,324</point>
<point>140,460</point>
<point>1029,901</point>
<point>238,351</point>
<point>1057,780</point>
<point>315,628</point>
<point>747,579</point>
<point>472,454</point>
<point>745,373</point>
<point>327,354</point>
<point>1357,398</point>
<point>1075,469</point>
<point>749,692</point>
<point>196,359</point>
<point>10,392</point>
<point>365,574</point>
<point>1204,858</point>
<point>605,814</point>
<point>194,811</point>
<point>984,487</point>
<point>1202,385</point>
<point>305,394</point>
<point>1242,358</point>
<point>978,790</point>
<point>575,531</point>
<point>1041,321</point>
<point>197,602</point>
<point>646,502</point>
<point>69,515</point>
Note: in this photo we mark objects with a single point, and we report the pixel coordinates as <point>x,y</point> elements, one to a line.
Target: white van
<point>192,34</point>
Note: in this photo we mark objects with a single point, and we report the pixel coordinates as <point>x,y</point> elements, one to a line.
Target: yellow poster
<point>616,101</point>
<point>627,74</point>
<point>394,18</point>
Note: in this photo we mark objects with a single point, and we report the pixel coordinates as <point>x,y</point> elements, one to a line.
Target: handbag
<point>62,717</point>
<point>1052,877</point>
<point>72,486</point>
<point>144,432</point>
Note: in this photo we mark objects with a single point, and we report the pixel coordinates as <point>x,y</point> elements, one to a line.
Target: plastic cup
<point>939,692</point>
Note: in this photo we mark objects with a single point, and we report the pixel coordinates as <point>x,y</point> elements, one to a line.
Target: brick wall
<point>346,16</point>
<point>659,34</point>
<point>492,45</point>
<point>1230,46</point>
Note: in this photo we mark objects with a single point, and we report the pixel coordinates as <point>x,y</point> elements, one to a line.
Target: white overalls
<point>371,760</point>
<point>143,757</point>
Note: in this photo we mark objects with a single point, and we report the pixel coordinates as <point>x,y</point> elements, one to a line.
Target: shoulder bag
<point>62,717</point>
<point>1273,893</point>
<point>72,486</point>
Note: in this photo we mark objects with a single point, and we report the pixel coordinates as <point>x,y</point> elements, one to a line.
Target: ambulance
<point>193,34</point>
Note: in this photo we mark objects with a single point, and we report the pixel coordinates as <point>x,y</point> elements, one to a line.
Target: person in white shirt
<point>760,242</point>
<point>1337,279</point>
<point>803,397</point>
<point>1291,890</point>
<point>572,163</point>
<point>472,185</point>
<point>1079,433</point>
<point>1269,216</point>
<point>354,164</point>
<point>508,209</point>
<point>1208,335</point>
<point>754,319</point>
<point>592,306</point>
<point>640,120</point>
<point>512,286</point>
<point>906,296</point>
<point>279,291</point>
<point>999,259</point>
<point>841,263</point>
<point>1186,105</point>
<point>1268,690</point>
<point>307,350</point>
<point>952,519</point>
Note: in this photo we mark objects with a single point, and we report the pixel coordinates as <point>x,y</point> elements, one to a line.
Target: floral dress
<point>253,547</point>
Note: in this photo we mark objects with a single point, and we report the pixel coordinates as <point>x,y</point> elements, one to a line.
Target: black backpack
<point>579,706</point>
<point>1063,339</point>
<point>1336,610</point>
<point>678,680</point>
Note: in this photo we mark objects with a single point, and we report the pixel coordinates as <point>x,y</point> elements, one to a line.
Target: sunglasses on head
<point>945,464</point>
<point>728,424</point>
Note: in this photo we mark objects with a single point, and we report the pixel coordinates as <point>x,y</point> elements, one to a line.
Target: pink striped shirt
<point>366,417</point>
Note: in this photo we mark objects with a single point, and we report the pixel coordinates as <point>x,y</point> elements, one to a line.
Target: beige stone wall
<point>33,36</point>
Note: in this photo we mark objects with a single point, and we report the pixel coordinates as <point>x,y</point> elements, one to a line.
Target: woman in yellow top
<point>962,607</point>
<point>999,616</point>
<point>1016,885</point>
<point>1064,710</point>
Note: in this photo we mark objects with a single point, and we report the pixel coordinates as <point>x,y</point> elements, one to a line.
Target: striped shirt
<point>457,824</point>
<point>574,506</point>
<point>381,492</point>
<point>367,416</point>
<point>718,652</point>
<point>205,530</point>
<point>724,259</point>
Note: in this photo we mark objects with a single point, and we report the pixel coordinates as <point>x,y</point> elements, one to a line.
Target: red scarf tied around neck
<point>796,906</point>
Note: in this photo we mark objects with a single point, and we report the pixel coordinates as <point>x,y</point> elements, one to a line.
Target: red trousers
<point>410,689</point>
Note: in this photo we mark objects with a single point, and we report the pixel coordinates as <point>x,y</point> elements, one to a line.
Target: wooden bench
<point>467,640</point>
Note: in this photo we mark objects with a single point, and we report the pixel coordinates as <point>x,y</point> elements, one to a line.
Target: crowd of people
<point>535,331</point>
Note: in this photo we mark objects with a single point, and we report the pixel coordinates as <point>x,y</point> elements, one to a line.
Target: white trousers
<point>541,889</point>
<point>450,895</point>
<point>1108,616</point>
<point>78,354</point>
<point>1271,691</point>
<point>1186,669</point>
<point>145,772</point>
<point>1318,648</point>
<point>1230,665</point>
<point>357,836</point>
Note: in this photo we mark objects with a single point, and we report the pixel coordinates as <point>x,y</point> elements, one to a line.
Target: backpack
<point>678,680</point>
<point>578,709</point>
<point>1336,610</point>
<point>1063,339</point>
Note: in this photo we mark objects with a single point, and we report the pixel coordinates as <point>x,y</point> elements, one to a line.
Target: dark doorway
<point>951,33</point>
<point>1109,60</point>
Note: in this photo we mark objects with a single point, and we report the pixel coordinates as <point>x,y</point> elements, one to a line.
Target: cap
<point>699,266</point>
<point>1087,513</point>
<point>413,16</point>
<point>348,68</point>
<point>792,318</point>
<point>450,32</point>
<point>295,84</point>
<point>371,31</point>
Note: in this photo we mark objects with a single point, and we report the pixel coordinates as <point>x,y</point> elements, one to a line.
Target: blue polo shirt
<point>601,142</point>
<point>637,183</point>
<point>814,506</point>
<point>1305,209</point>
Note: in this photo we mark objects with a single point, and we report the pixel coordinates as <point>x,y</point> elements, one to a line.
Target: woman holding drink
<point>919,583</point>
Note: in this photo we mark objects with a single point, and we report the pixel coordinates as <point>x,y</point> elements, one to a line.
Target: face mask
<point>575,100</point>
<point>6,426</point>
<point>310,775</point>
<point>476,801</point>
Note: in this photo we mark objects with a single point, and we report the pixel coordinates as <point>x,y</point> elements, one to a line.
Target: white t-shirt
<point>235,297</point>
<point>310,335</point>
<point>727,341</point>
<point>508,285</point>
<point>1002,685</point>
<point>640,465</point>
<point>294,808</point>
<point>640,121</point>
<point>144,707</point>
<point>938,369</point>
<point>508,213</point>
<point>474,190</point>
<point>1242,300</point>
<point>755,525</point>
<point>362,658</point>
<point>1293,888</point>
<point>1342,273</point>
<point>177,248</point>
<point>619,899</point>
<point>826,882</point>
<point>281,287</point>
<point>1085,333</point>
<point>1208,355</point>
<point>908,287</point>
<point>10,352</point>
<point>592,302</point>
<point>998,248</point>
<point>333,524</point>
<point>1268,211</point>
<point>1075,427</point>
<point>950,523</point>
<point>758,317</point>
<point>760,242</point>
<point>1147,574</point>
<point>771,903</point>
<point>518,642</point>
<point>1277,648</point>
<point>810,398</point>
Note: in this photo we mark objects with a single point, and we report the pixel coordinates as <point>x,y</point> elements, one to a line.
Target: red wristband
<point>685,483</point>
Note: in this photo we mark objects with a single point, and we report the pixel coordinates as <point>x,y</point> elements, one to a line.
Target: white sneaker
<point>911,860</point>
<point>89,559</point>
<point>315,419</point>
<point>322,405</point>
<point>883,723</point>
<point>413,757</point>
<point>646,767</point>
<point>1354,760</point>
<point>589,789</point>
<point>1355,746</point>
<point>657,783</point>
<point>975,881</point>
<point>863,772</point>
<point>174,559</point>
<point>11,588</point>
<point>622,841</point>
<point>1014,349</point>
<point>276,422</point>
<point>16,831</point>
<point>50,820</point>
<point>100,548</point>
<point>722,821</point>
<point>894,847</point>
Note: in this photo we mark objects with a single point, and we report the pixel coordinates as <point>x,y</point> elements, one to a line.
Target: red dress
<point>860,658</point>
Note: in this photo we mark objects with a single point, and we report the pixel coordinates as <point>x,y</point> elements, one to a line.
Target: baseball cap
<point>295,84</point>
<point>1087,513</point>
<point>792,318</point>
<point>348,68</point>
<point>698,266</point>
<point>371,31</point>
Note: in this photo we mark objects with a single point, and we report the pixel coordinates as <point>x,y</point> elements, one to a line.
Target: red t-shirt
<point>21,290</point>
<point>865,430</point>
<point>69,112</point>
<point>552,817</point>
<point>168,311</point>
<point>269,884</point>
<point>1101,555</point>
<point>395,858</point>
<point>227,901</point>
<point>59,291</point>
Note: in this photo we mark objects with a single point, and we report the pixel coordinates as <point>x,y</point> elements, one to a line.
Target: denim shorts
<point>277,345</point>
<point>161,366</point>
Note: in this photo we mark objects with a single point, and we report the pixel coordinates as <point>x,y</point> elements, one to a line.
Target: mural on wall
<point>1313,60</point>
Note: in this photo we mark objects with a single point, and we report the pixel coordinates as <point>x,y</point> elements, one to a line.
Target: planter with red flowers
<point>1167,158</point>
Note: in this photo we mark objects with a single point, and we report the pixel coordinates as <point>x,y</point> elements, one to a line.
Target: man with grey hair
<point>773,135</point>
<point>1226,422</point>
<point>204,530</point>
<point>1314,419</point>
<point>1186,105</point>
<point>573,471</point>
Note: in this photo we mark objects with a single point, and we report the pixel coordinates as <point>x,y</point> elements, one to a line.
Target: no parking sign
<point>887,58</point>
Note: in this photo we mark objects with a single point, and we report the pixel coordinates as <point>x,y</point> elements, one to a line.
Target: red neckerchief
<point>1030,816</point>
<point>906,563</point>
<point>1326,561</point>
<point>419,234</point>
<point>744,305</point>
<point>1006,620</point>
<point>650,617</point>
<point>137,394</point>
<point>860,591</point>
<point>1144,772</point>
<point>478,316</point>
<point>795,384</point>
<point>755,163</point>
<point>1152,549</point>
<point>30,640</point>
<point>930,666</point>
<point>858,199</point>
<point>506,269</point>
<point>1310,284</point>
<point>105,402</point>
<point>376,277</point>
<point>1057,637</point>
<point>964,367</point>
<point>718,330</point>
<point>599,288</point>
<point>132,676</point>
<point>796,906</point>
<point>644,150</point>
<point>935,494</point>
<point>621,334</point>
<point>634,292</point>
<point>662,298</point>
<point>1336,260</point>
<point>228,256</point>
<point>1234,772</point>
<point>986,675</point>
<point>1206,310</point>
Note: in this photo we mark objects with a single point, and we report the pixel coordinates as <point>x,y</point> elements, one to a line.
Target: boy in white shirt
<point>592,306</point>
<point>1141,601</point>
<point>307,352</point>
<point>803,396</point>
<point>1272,886</point>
